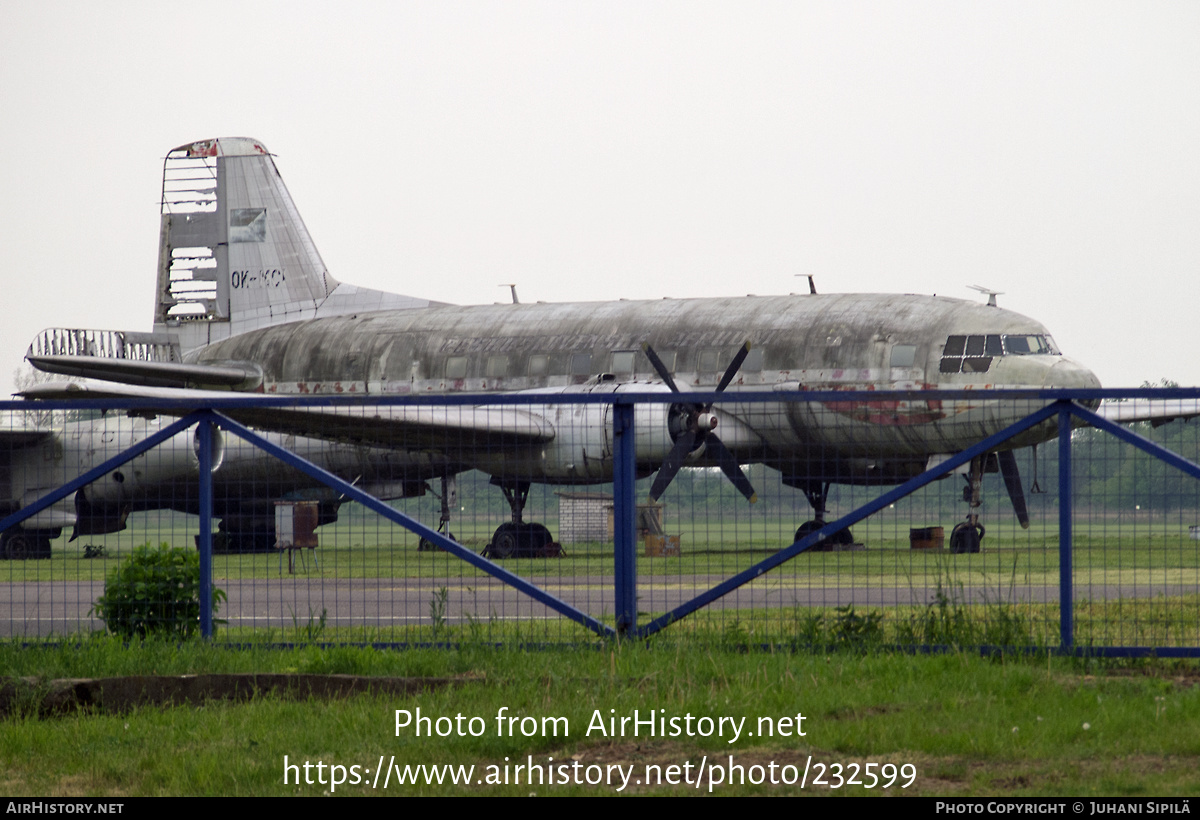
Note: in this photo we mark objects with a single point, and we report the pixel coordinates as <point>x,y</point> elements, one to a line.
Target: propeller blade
<point>663,373</point>
<point>671,464</point>
<point>1012,483</point>
<point>729,465</point>
<point>734,365</point>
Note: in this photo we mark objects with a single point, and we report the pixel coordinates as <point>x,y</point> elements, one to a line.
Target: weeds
<point>312,630</point>
<point>437,610</point>
<point>857,632</point>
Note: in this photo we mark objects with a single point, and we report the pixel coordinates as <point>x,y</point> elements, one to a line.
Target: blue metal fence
<point>1062,408</point>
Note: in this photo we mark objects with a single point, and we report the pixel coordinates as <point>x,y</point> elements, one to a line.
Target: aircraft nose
<point>1071,375</point>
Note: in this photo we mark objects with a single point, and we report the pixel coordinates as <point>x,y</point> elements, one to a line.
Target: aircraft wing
<point>1157,412</point>
<point>21,438</point>
<point>461,428</point>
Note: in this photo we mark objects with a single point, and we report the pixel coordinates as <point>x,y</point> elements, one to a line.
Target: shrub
<point>154,592</point>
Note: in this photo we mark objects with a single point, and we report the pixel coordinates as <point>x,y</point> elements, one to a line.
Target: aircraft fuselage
<point>799,342</point>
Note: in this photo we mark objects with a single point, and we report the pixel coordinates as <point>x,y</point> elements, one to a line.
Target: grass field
<point>1153,568</point>
<point>1104,553</point>
<point>967,726</point>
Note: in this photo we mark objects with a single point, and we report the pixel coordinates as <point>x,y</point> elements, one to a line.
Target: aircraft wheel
<point>806,528</point>
<point>23,545</point>
<point>18,547</point>
<point>425,545</point>
<point>966,538</point>
<point>538,539</point>
<point>505,542</point>
<point>841,537</point>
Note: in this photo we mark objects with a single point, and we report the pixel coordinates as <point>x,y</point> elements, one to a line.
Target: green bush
<point>154,592</point>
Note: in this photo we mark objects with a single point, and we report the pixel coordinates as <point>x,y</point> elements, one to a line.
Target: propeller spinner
<point>691,427</point>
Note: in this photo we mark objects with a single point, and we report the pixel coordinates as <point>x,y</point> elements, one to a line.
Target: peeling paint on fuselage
<point>807,342</point>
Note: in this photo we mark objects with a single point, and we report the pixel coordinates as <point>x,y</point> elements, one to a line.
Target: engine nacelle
<point>154,472</point>
<point>582,449</point>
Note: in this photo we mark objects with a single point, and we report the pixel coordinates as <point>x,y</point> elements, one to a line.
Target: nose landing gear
<point>816,492</point>
<point>967,536</point>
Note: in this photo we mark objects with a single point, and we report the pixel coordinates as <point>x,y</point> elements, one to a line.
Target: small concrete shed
<point>589,517</point>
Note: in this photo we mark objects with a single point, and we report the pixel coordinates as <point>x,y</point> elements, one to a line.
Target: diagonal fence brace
<point>1139,441</point>
<point>374,504</point>
<point>870,508</point>
<point>146,444</point>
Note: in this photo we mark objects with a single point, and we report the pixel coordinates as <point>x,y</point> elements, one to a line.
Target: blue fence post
<point>1065,514</point>
<point>204,437</point>
<point>624,519</point>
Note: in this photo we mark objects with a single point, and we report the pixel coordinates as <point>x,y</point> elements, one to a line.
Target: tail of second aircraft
<point>234,255</point>
<point>232,248</point>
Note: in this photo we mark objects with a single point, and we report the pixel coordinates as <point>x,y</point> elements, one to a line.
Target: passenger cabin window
<point>497,367</point>
<point>622,361</point>
<point>904,355</point>
<point>539,364</point>
<point>754,360</point>
<point>456,367</point>
<point>581,364</point>
<point>708,361</point>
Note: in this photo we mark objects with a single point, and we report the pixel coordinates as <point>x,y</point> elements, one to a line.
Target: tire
<point>23,545</point>
<point>806,528</point>
<point>966,539</point>
<point>425,545</point>
<point>504,544</point>
<point>840,538</point>
<point>539,538</point>
<point>18,546</point>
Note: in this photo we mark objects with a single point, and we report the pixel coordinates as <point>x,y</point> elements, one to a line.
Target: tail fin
<point>234,253</point>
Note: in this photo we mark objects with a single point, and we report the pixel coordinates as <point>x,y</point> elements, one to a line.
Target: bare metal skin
<point>245,303</point>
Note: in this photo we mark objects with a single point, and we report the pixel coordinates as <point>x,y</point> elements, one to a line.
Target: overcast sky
<point>591,151</point>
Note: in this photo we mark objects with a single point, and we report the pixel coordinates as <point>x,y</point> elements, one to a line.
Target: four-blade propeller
<point>1012,482</point>
<point>691,427</point>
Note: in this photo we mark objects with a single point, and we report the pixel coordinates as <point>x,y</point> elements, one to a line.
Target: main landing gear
<point>816,492</point>
<point>967,536</point>
<point>518,539</point>
<point>17,544</point>
<point>448,497</point>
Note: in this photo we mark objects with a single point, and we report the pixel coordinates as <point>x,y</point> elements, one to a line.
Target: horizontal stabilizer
<point>463,429</point>
<point>238,376</point>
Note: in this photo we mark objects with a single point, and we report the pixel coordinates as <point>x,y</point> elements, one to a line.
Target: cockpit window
<point>974,354</point>
<point>1030,345</point>
<point>970,354</point>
